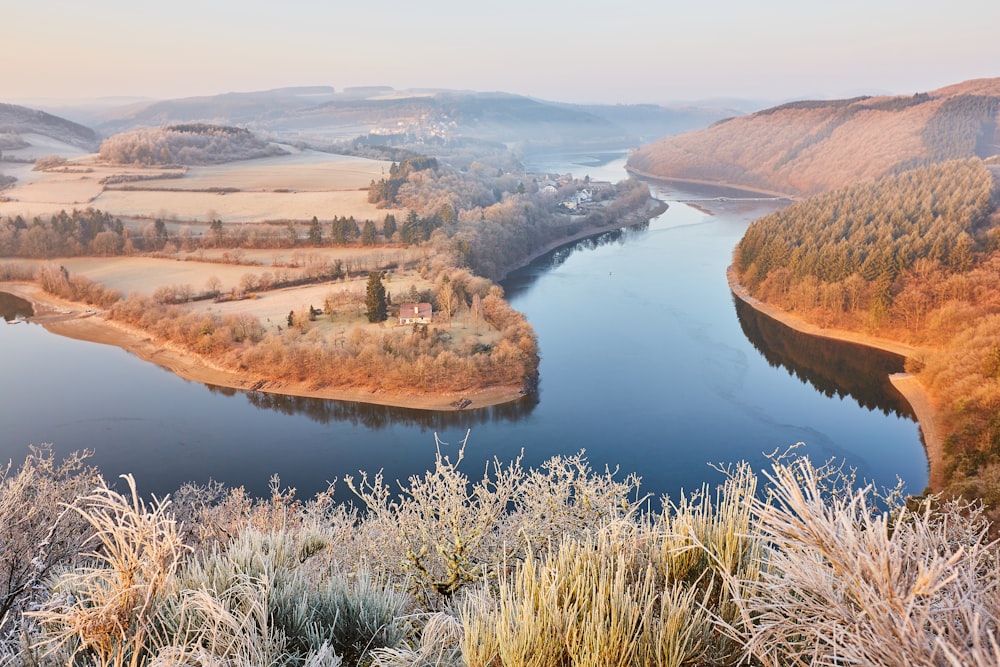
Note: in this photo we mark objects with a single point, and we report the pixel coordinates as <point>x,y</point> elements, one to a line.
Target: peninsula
<point>298,305</point>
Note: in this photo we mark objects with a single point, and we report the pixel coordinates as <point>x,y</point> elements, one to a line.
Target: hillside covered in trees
<point>187,144</point>
<point>807,147</point>
<point>913,257</point>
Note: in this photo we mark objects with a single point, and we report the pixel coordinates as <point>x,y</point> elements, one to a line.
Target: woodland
<point>913,257</point>
<point>808,147</point>
<point>188,144</point>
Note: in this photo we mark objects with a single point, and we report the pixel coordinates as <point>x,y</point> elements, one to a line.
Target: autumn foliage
<point>914,258</point>
<point>807,147</point>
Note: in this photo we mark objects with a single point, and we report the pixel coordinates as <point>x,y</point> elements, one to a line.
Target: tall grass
<point>106,608</point>
<point>844,581</point>
<point>557,567</point>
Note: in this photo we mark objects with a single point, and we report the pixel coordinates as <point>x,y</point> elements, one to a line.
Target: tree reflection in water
<point>11,306</point>
<point>325,411</point>
<point>832,367</point>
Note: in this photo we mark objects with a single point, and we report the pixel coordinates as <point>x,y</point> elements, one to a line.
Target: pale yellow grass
<point>317,184</point>
<point>304,171</point>
<point>145,274</point>
<point>75,184</point>
<point>58,190</point>
<point>242,206</point>
<point>272,307</point>
<point>350,256</point>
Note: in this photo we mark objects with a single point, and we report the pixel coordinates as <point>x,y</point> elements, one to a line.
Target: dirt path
<point>908,385</point>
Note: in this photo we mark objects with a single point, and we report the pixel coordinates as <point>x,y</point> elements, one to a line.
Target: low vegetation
<point>311,351</point>
<point>556,566</point>
<point>914,258</point>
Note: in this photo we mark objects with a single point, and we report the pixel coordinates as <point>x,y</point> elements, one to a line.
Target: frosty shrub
<point>441,530</point>
<point>846,582</point>
<point>37,532</point>
<point>261,601</point>
<point>104,609</point>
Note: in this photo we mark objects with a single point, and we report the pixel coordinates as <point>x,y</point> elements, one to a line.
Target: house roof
<point>415,310</point>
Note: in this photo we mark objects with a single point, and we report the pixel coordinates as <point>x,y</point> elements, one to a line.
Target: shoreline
<point>654,207</point>
<point>77,321</point>
<point>65,318</point>
<point>905,383</point>
<point>713,184</point>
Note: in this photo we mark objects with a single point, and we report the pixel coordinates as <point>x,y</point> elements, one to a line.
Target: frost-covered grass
<point>563,565</point>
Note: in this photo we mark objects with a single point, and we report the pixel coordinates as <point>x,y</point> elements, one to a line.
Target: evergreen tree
<point>368,233</point>
<point>389,226</point>
<point>315,232</point>
<point>375,301</point>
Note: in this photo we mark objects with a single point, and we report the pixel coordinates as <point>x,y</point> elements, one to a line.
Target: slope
<point>807,147</point>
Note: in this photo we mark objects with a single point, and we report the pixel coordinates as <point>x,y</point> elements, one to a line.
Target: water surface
<point>647,364</point>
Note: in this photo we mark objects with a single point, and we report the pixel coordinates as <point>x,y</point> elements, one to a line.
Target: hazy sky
<point>581,51</point>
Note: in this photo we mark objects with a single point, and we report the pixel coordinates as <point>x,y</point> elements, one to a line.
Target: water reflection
<point>377,417</point>
<point>833,368</point>
<point>12,307</point>
<point>523,278</point>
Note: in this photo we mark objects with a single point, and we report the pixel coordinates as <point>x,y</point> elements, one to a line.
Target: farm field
<point>297,186</point>
<point>145,275</point>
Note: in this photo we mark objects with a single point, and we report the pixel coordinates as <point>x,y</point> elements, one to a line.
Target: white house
<point>416,313</point>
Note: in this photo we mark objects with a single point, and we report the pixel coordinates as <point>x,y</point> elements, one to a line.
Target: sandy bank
<point>70,319</point>
<point>75,321</point>
<point>908,385</point>
<point>713,184</point>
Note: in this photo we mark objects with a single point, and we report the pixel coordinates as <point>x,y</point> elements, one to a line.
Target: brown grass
<point>292,187</point>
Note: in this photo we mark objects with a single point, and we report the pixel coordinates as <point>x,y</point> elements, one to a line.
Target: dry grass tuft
<point>106,609</point>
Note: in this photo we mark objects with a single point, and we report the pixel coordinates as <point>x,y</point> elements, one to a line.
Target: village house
<point>415,313</point>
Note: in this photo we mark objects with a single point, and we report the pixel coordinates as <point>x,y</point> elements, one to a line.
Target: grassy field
<point>218,292</point>
<point>289,187</point>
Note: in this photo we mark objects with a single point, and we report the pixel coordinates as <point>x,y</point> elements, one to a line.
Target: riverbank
<point>69,319</point>
<point>907,385</point>
<point>646,176</point>
<point>654,208</point>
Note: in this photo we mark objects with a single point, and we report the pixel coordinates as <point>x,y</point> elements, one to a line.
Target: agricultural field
<point>296,186</point>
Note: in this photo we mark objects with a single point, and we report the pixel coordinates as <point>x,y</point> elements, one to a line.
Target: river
<point>647,364</point>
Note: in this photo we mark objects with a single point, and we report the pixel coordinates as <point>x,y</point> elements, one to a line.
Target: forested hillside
<point>913,257</point>
<point>189,144</point>
<point>812,146</point>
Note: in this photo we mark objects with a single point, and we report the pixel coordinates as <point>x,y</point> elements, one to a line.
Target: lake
<point>647,364</point>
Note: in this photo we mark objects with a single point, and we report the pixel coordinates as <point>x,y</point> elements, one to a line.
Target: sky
<point>642,51</point>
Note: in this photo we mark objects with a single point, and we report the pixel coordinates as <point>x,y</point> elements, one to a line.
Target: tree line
<point>913,257</point>
<point>94,232</point>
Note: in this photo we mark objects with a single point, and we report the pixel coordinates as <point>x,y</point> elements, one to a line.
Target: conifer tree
<point>375,301</point>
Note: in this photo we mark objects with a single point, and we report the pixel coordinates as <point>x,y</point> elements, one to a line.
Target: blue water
<point>644,365</point>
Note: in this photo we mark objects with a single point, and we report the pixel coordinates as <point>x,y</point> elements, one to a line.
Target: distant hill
<point>17,121</point>
<point>811,146</point>
<point>258,109</point>
<point>320,115</point>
